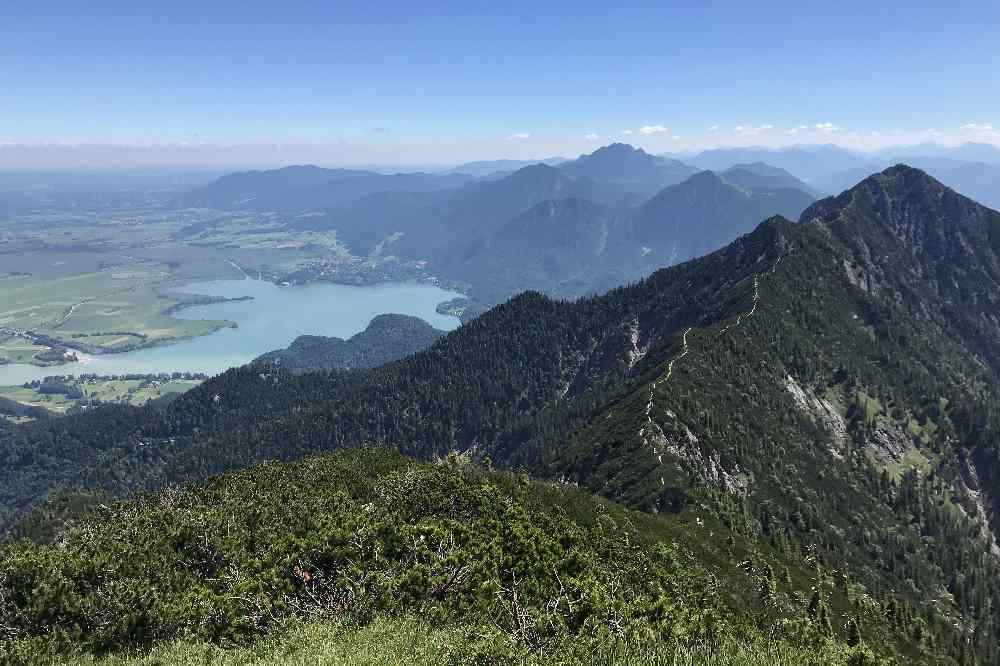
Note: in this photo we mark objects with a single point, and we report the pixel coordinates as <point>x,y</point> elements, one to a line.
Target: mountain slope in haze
<point>452,228</point>
<point>573,247</point>
<point>242,188</point>
<point>483,168</point>
<point>632,168</point>
<point>443,226</point>
<point>763,176</point>
<point>827,390</point>
<point>363,224</point>
<point>343,190</point>
<point>967,152</point>
<point>387,337</point>
<point>499,200</point>
<point>976,180</point>
<point>308,187</point>
<point>705,212</point>
<point>807,162</point>
<point>564,246</point>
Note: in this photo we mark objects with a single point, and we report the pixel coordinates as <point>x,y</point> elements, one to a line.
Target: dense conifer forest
<point>516,570</point>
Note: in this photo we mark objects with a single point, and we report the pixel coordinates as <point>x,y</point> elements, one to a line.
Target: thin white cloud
<point>652,129</point>
<point>986,128</point>
<point>675,137</point>
<point>713,128</point>
<point>591,136</point>
<point>797,129</point>
<point>627,132</point>
<point>519,135</point>
<point>932,132</point>
<point>826,127</point>
<point>750,131</point>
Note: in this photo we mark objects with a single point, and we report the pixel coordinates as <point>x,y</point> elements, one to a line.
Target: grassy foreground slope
<point>390,642</point>
<point>335,556</point>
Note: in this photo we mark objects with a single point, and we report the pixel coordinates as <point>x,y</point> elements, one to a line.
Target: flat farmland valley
<point>139,293</point>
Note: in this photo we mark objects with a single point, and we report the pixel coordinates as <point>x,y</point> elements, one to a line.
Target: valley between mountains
<point>790,444</point>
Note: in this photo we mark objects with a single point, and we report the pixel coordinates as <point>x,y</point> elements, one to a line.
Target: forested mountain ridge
<point>387,337</point>
<point>856,409</point>
<point>566,350</point>
<point>526,370</point>
<point>949,241</point>
<point>828,388</point>
<point>878,316</point>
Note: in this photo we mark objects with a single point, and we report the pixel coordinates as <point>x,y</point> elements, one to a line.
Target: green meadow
<point>108,282</point>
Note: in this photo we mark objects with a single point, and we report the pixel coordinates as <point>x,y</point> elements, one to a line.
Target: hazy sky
<point>424,82</point>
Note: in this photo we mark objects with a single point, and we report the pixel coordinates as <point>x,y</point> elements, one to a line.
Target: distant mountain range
<point>448,230</point>
<point>23,190</point>
<point>627,173</point>
<point>972,168</point>
<point>308,187</point>
<point>573,227</point>
<point>489,167</point>
<point>805,162</point>
<point>572,246</point>
<point>579,227</point>
<point>967,152</point>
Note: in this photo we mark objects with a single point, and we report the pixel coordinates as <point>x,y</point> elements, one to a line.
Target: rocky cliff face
<point>902,226</point>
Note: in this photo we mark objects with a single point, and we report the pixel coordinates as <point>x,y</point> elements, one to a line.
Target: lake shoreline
<point>74,344</point>
<point>256,316</point>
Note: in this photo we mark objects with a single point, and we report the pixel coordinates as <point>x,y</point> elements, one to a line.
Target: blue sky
<point>438,82</point>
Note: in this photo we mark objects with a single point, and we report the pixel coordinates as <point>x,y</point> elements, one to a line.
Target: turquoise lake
<point>275,317</point>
